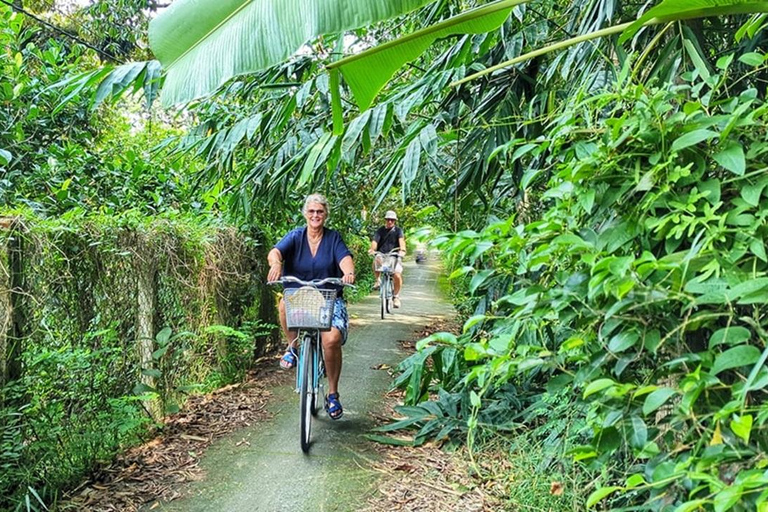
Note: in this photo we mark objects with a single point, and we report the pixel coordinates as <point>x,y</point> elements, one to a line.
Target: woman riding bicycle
<point>316,252</point>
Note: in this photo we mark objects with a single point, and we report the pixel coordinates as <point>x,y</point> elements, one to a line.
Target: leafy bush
<point>636,301</point>
<point>84,393</point>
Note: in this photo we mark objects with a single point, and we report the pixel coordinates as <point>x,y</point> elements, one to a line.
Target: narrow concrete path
<point>268,472</point>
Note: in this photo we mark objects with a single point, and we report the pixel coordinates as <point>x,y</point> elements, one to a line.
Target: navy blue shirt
<point>388,239</point>
<point>299,262</point>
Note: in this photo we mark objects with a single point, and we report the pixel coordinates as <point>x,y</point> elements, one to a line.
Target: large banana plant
<point>203,43</point>
<point>477,144</point>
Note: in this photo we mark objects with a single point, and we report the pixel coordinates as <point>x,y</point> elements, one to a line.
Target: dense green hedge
<point>623,322</point>
<point>82,393</point>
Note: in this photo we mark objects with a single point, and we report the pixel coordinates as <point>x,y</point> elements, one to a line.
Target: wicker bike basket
<point>385,262</point>
<point>309,308</point>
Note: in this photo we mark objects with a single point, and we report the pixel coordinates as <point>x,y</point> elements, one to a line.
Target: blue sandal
<point>289,359</point>
<point>333,406</point>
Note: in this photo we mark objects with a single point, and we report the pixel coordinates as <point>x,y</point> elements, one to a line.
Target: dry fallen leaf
<point>149,473</point>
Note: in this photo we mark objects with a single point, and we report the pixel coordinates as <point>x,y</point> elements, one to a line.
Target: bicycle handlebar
<point>314,282</point>
<point>393,252</point>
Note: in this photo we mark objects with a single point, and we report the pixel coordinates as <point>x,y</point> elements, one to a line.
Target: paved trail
<point>270,473</point>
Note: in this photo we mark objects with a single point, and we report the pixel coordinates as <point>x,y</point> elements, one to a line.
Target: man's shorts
<point>340,318</point>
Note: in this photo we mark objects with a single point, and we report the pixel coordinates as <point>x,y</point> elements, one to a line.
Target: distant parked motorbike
<point>421,256</point>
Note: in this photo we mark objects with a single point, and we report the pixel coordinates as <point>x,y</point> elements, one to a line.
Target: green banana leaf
<point>367,72</point>
<point>203,43</point>
<point>673,10</point>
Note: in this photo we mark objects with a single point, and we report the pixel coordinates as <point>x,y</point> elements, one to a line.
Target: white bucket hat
<point>390,215</point>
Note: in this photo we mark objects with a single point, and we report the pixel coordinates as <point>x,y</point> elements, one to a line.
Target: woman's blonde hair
<point>317,198</point>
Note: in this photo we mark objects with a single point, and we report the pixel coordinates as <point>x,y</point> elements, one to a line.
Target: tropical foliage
<point>635,298</point>
<point>54,155</point>
<point>593,170</point>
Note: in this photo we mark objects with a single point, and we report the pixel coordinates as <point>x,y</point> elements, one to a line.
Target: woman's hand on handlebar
<point>275,271</point>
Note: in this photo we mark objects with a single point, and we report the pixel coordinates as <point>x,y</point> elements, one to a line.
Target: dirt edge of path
<point>423,478</point>
<point>154,471</point>
<point>426,478</point>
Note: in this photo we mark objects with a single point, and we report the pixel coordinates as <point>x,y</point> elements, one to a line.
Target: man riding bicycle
<point>388,237</point>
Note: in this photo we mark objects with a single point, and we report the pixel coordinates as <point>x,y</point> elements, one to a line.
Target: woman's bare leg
<point>332,355</point>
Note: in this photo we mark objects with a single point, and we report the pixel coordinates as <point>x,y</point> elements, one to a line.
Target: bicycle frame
<point>310,367</point>
<point>386,286</point>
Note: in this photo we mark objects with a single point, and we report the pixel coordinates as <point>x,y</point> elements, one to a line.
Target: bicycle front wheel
<point>383,293</point>
<point>390,295</point>
<point>306,390</point>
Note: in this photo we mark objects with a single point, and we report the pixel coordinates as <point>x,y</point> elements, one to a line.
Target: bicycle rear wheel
<point>306,390</point>
<point>317,386</point>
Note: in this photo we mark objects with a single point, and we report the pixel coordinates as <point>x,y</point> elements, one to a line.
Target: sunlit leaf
<point>735,357</point>
<point>599,494</point>
<point>598,385</point>
<point>656,399</point>
<point>635,480</point>
<point>202,44</point>
<point>742,426</point>
<point>752,58</point>
<point>727,498</point>
<point>671,10</point>
<point>472,321</point>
